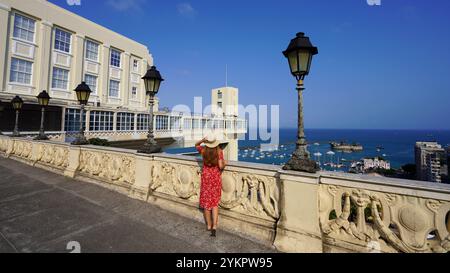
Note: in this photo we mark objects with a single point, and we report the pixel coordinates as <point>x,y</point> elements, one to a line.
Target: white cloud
<point>123,5</point>
<point>186,10</point>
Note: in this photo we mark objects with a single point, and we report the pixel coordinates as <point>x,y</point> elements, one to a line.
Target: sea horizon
<point>397,145</point>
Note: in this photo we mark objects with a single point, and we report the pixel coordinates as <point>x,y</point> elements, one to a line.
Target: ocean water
<point>398,146</point>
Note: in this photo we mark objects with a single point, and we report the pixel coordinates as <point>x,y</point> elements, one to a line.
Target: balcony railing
<point>296,212</point>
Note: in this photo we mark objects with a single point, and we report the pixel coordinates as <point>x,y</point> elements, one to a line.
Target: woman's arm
<point>200,142</point>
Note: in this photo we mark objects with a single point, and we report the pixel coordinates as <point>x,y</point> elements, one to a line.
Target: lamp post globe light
<point>1,112</point>
<point>299,54</point>
<point>152,81</point>
<point>83,92</point>
<point>17,104</point>
<point>43,99</point>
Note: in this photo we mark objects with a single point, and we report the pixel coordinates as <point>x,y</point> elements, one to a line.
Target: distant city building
<point>376,163</point>
<point>431,161</point>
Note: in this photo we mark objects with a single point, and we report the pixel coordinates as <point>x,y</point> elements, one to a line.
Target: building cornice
<point>47,23</point>
<point>5,7</point>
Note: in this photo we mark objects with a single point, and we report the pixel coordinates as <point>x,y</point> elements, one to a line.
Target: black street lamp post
<point>17,103</point>
<point>1,112</point>
<point>152,81</point>
<point>299,54</point>
<point>83,92</point>
<point>43,99</point>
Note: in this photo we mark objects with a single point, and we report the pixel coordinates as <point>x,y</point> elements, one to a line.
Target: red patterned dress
<point>211,186</point>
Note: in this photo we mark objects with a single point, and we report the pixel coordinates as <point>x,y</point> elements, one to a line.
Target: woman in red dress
<point>211,181</point>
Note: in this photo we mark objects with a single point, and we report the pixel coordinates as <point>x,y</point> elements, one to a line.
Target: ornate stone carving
<point>109,166</point>
<point>187,182</point>
<point>56,156</point>
<point>162,173</point>
<point>254,194</point>
<point>395,222</point>
<point>3,144</point>
<point>22,149</point>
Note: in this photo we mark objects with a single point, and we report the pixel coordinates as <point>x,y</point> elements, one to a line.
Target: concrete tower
<point>224,102</point>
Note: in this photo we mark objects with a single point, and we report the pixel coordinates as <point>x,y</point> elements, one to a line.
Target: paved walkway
<point>42,212</point>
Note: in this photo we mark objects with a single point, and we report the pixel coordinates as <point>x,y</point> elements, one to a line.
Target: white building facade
<point>376,163</point>
<point>431,161</point>
<point>49,48</point>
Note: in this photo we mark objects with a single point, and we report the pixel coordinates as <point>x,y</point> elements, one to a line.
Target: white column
<point>125,82</point>
<point>78,67</point>
<point>43,63</point>
<point>4,38</point>
<point>115,122</point>
<point>135,121</point>
<point>63,118</point>
<point>103,82</point>
<point>142,92</point>
<point>88,119</point>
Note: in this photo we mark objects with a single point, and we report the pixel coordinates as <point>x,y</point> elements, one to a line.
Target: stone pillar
<point>143,178</point>
<point>4,43</point>
<point>298,228</point>
<point>126,78</point>
<point>103,83</point>
<point>78,61</point>
<point>135,122</point>
<point>88,118</point>
<point>74,161</point>
<point>231,151</point>
<point>44,56</point>
<point>115,122</point>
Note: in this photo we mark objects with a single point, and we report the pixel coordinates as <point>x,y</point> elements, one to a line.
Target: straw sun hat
<point>211,140</point>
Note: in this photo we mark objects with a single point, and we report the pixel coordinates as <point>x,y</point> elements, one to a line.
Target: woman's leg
<point>215,217</point>
<point>208,220</point>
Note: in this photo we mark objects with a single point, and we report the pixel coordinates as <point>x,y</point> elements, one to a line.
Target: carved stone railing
<point>294,211</point>
<point>384,215</point>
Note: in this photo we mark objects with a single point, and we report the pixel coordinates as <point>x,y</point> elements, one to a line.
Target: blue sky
<point>378,67</point>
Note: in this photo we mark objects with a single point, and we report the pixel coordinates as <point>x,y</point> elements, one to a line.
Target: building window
<point>92,82</point>
<point>60,78</point>
<point>219,104</point>
<point>72,120</point>
<point>125,121</point>
<point>187,123</point>
<point>21,71</point>
<point>101,121</point>
<point>62,40</point>
<point>91,51</point>
<point>142,122</point>
<point>114,88</point>
<point>175,123</point>
<point>115,58</point>
<point>24,28</point>
<point>228,124</point>
<point>133,92</point>
<point>135,65</point>
<point>162,123</point>
<point>219,95</point>
<point>196,124</point>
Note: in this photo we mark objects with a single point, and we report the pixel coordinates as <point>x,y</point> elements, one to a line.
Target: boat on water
<point>346,147</point>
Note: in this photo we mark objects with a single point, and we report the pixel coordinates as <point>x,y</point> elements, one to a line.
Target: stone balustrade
<point>295,212</point>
